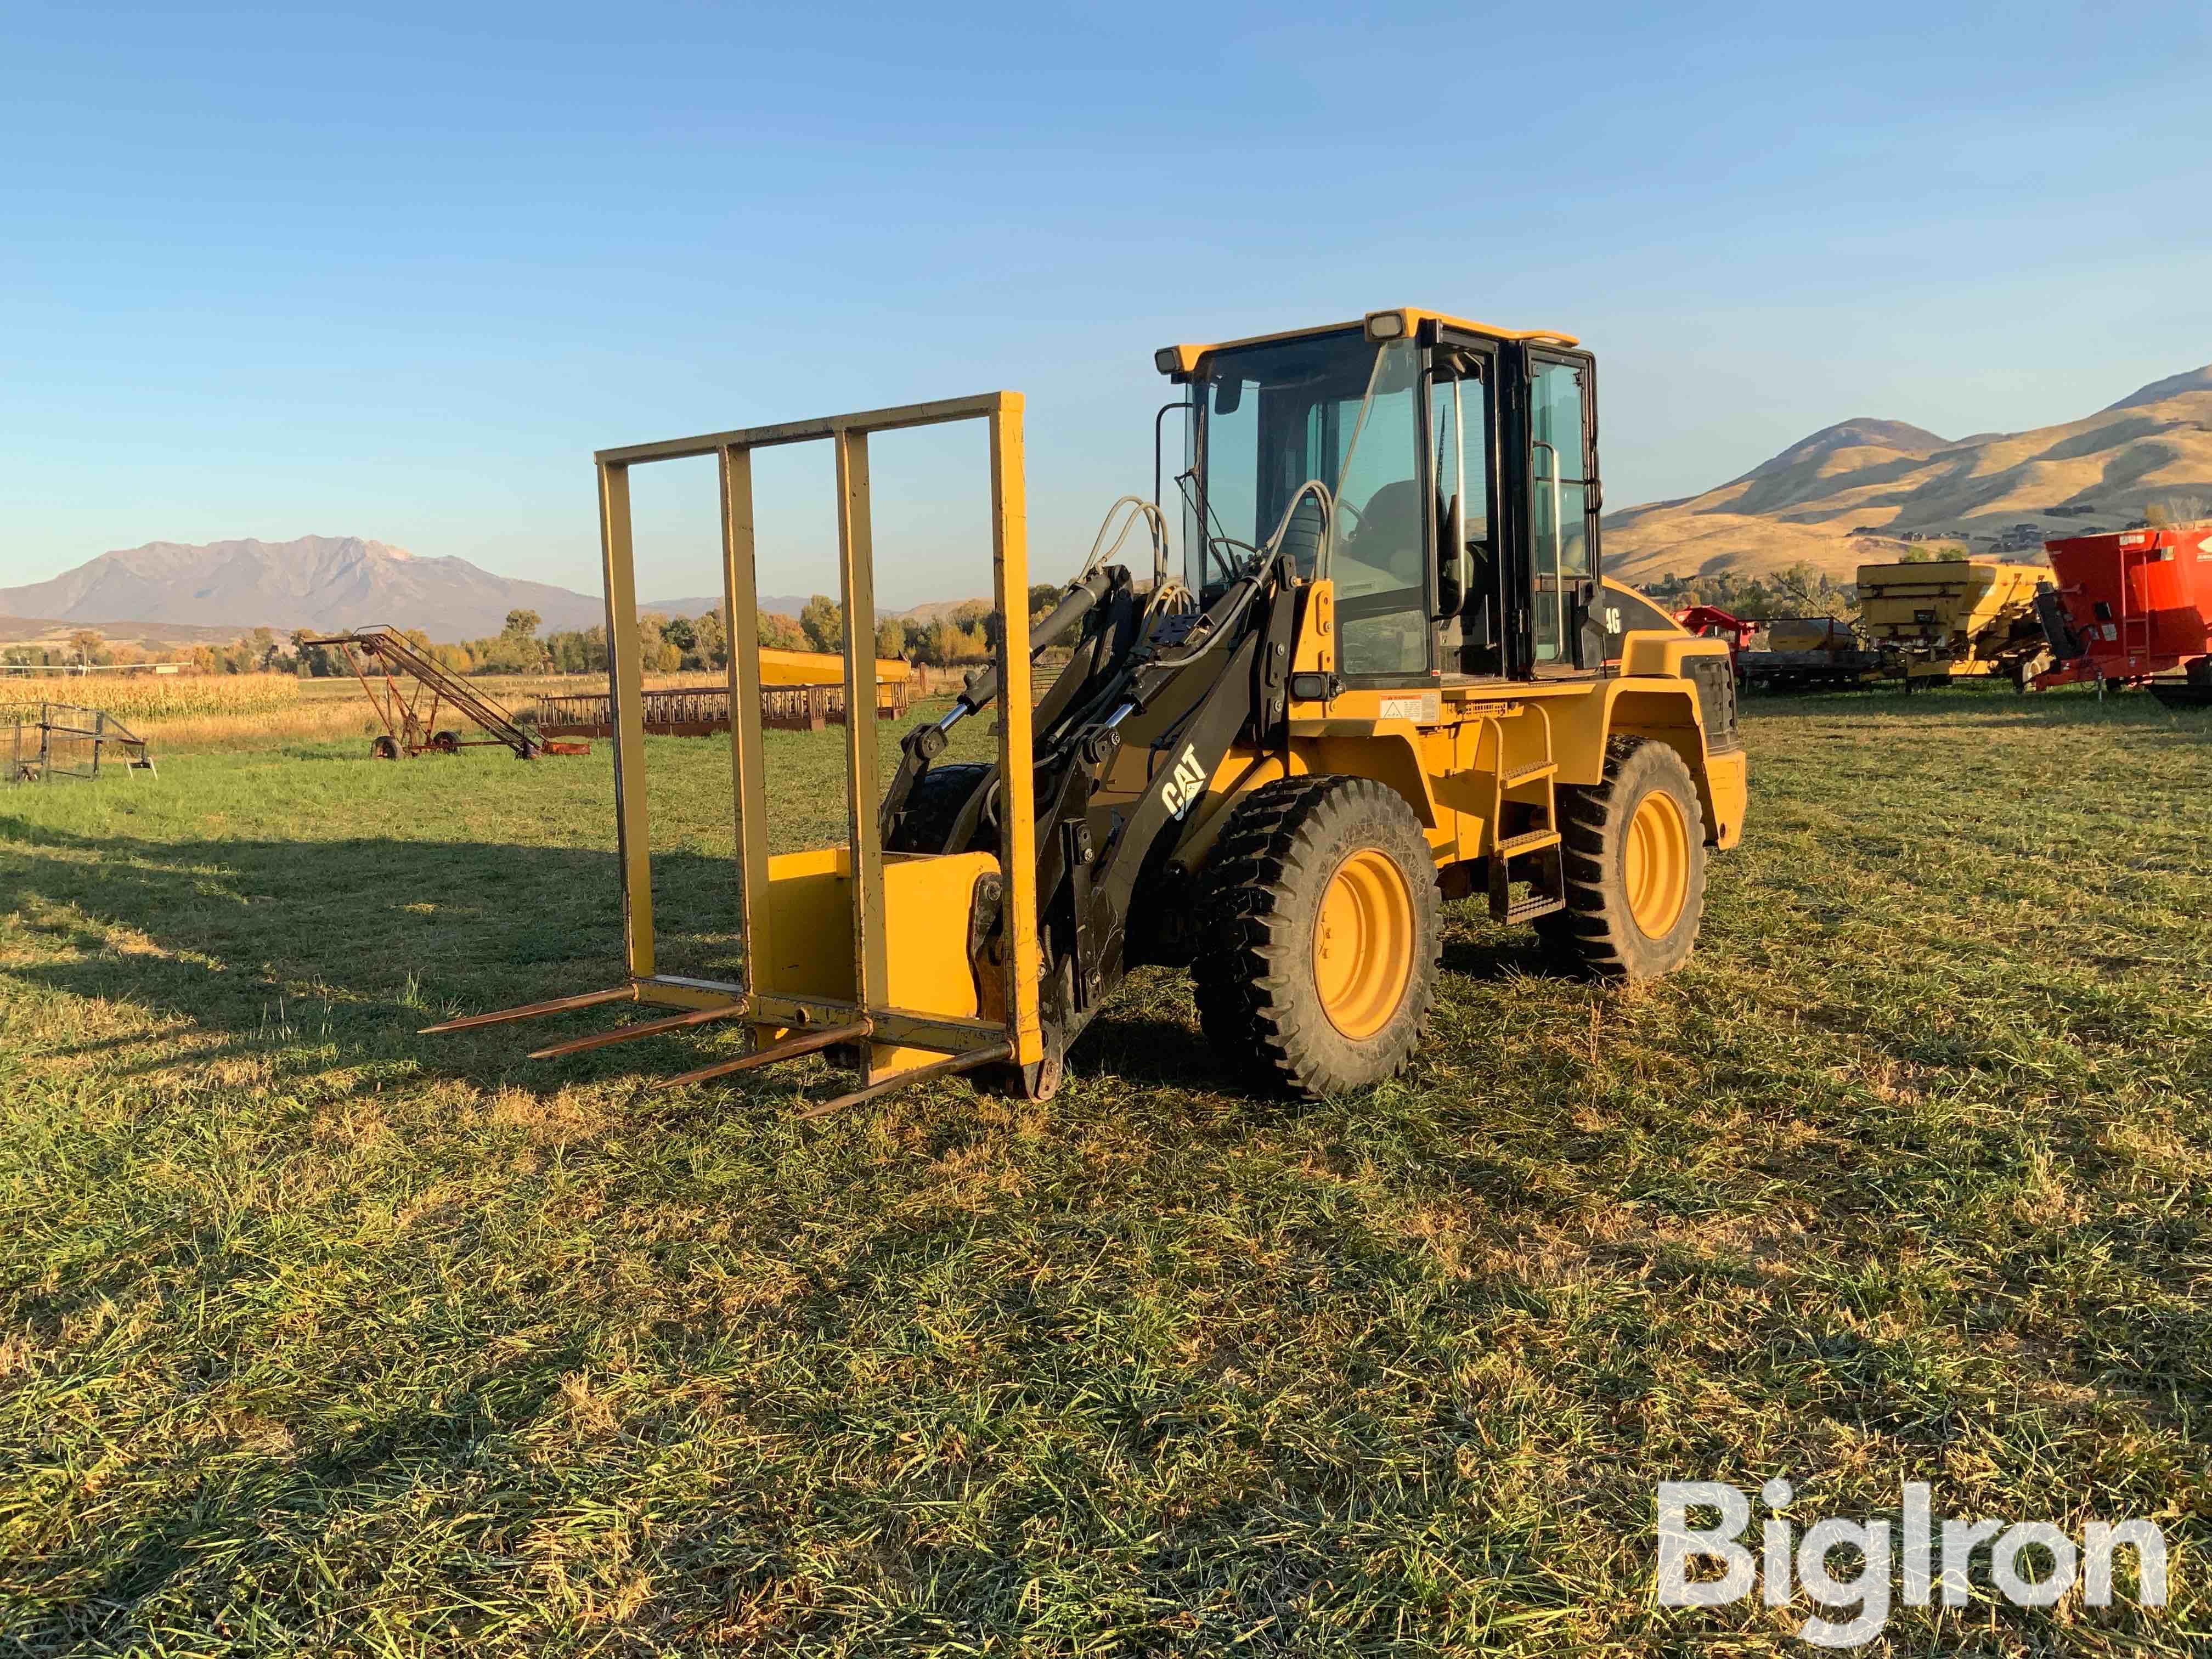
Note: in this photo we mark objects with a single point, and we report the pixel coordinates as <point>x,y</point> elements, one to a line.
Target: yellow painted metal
<point>856,561</point>
<point>1462,754</point>
<point>1656,864</point>
<point>626,690</point>
<point>748,790</point>
<point>906,973</point>
<point>925,910</point>
<point>1388,750</point>
<point>1809,634</point>
<point>779,667</point>
<point>1363,947</point>
<point>1186,357</point>
<point>1949,616</point>
<point>1009,575</point>
<point>975,407</point>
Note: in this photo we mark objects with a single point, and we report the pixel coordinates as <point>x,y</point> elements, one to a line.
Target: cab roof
<point>1397,322</point>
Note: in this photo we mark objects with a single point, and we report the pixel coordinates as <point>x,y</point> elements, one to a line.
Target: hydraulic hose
<point>1073,606</point>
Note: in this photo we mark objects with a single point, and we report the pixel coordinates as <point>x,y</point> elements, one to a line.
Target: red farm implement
<point>407,689</point>
<point>1710,622</point>
<point>2130,608</point>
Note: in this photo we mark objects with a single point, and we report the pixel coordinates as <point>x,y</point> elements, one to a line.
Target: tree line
<point>1799,591</point>
<point>667,645</point>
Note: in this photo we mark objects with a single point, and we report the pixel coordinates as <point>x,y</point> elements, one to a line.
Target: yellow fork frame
<point>1019,1037</point>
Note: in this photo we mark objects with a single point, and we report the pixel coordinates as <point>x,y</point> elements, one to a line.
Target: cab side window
<point>1379,560</point>
<point>1557,505</point>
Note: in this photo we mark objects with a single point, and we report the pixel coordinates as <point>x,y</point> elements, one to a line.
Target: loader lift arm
<point>1225,671</point>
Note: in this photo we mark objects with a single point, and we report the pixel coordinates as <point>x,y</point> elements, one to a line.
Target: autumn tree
<point>822,622</point>
<point>710,640</point>
<point>778,632</point>
<point>522,624</point>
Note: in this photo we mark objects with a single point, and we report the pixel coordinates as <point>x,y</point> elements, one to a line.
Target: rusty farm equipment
<point>407,689</point>
<point>47,741</point>
<point>2131,607</point>
<point>797,694</point>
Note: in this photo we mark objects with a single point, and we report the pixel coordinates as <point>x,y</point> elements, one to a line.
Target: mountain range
<point>314,582</point>
<point>1858,490</point>
<point>1855,491</point>
<point>169,593</point>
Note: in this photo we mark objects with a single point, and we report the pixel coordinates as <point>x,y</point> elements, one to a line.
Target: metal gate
<point>50,740</point>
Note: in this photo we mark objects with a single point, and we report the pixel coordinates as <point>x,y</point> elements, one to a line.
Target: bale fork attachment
<point>898,1011</point>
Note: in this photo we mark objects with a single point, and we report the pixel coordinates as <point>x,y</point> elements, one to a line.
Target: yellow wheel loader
<point>1390,673</point>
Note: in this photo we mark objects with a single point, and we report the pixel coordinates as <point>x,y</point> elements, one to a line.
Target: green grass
<point>317,1336</point>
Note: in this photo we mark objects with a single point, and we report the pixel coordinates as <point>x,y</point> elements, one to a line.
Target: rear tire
<point>1319,936</point>
<point>384,747</point>
<point>1634,861</point>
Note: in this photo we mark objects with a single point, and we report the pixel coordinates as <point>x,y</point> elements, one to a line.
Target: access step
<point>1536,904</point>
<point>1535,841</point>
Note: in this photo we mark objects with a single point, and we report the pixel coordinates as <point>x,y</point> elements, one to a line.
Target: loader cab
<point>1460,465</point>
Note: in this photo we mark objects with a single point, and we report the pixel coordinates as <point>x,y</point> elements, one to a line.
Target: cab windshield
<point>1336,409</point>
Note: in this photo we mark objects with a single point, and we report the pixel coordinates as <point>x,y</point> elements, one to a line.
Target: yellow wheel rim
<point>1363,944</point>
<point>1657,872</point>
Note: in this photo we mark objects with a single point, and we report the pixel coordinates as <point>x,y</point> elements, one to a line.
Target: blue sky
<point>396,272</point>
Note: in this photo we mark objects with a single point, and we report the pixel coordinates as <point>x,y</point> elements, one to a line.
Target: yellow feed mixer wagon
<point>1389,674</point>
<point>1945,619</point>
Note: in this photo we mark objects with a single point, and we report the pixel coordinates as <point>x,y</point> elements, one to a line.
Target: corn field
<point>164,696</point>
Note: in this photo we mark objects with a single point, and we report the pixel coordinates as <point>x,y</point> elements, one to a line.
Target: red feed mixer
<point>2130,605</point>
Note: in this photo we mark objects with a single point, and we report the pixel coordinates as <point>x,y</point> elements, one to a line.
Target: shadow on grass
<point>314,954</point>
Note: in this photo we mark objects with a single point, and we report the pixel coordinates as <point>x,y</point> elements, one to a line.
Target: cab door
<point>1558,504</point>
<point>1463,447</point>
<point>1382,559</point>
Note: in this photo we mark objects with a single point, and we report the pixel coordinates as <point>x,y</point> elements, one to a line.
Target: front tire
<point>1320,936</point>
<point>934,808</point>
<point>1634,861</point>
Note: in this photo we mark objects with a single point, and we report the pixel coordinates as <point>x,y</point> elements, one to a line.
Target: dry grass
<point>303,721</point>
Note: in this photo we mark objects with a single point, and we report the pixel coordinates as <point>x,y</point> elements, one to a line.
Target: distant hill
<point>51,630</point>
<point>1852,492</point>
<point>314,582</point>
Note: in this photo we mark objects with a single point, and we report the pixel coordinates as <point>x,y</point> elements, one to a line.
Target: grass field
<point>318,1336</point>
